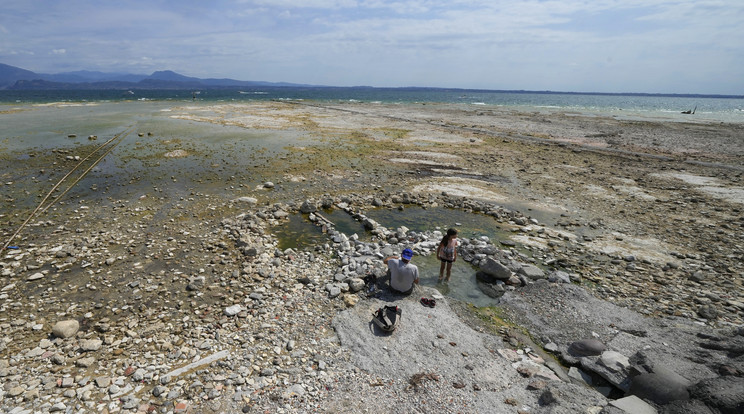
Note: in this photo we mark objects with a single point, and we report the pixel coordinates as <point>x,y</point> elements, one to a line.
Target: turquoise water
<point>630,106</point>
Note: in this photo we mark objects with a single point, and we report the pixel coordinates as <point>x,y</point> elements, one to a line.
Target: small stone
<point>351,300</point>
<point>90,344</point>
<point>233,310</point>
<point>103,382</point>
<point>36,276</point>
<point>85,362</point>
<point>159,390</point>
<point>60,406</point>
<point>16,391</point>
<point>66,329</point>
<point>537,384</point>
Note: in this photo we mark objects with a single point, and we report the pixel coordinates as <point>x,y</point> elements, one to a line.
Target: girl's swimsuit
<point>447,253</point>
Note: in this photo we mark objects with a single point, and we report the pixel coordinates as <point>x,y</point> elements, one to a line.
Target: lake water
<point>630,106</point>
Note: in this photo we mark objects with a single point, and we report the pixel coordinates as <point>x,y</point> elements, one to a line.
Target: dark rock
<point>569,398</point>
<point>725,394</point>
<point>661,386</point>
<point>308,207</point>
<point>686,407</point>
<point>586,347</point>
<point>708,312</point>
<point>492,290</point>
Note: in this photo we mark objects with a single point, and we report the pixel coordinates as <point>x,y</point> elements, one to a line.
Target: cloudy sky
<point>666,46</point>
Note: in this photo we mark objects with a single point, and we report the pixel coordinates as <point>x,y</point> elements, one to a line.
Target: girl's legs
<point>441,270</point>
<point>449,270</point>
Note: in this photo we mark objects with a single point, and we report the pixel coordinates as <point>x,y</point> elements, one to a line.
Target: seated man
<point>403,274</point>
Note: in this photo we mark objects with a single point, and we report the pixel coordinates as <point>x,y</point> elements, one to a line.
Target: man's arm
<point>385,260</point>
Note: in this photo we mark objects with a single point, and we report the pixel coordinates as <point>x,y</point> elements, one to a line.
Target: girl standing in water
<point>447,253</point>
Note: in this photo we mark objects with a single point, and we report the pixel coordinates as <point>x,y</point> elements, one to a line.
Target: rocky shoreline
<point>202,312</point>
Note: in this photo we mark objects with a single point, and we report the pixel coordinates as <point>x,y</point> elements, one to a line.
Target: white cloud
<point>627,45</point>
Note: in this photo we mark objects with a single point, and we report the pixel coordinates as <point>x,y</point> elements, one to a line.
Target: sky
<point>650,46</point>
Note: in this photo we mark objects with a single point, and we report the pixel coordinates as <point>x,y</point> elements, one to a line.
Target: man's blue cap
<point>407,254</point>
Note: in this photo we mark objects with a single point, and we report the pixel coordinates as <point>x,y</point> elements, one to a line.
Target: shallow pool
<point>299,233</point>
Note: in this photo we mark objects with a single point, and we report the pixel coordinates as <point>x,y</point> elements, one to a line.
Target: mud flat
<point>157,284</point>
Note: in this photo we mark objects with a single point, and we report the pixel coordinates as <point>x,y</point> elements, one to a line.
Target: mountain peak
<point>170,75</point>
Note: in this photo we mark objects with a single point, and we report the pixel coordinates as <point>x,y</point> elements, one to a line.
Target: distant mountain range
<point>15,78</point>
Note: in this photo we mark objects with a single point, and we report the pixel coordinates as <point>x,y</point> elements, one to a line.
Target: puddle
<point>298,233</point>
<point>469,225</point>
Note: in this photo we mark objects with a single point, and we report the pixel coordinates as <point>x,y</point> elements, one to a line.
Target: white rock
<point>36,276</point>
<point>66,329</point>
<point>233,310</point>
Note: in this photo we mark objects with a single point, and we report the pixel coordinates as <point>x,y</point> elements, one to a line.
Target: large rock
<point>492,290</point>
<point>66,329</point>
<point>493,270</point>
<point>726,394</point>
<point>686,407</point>
<point>661,386</point>
<point>532,272</point>
<point>586,347</point>
<point>308,207</point>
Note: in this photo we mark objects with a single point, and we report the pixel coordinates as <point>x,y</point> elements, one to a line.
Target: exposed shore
<point>646,217</point>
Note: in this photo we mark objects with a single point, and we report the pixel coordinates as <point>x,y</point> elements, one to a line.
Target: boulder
<point>725,394</point>
<point>493,290</point>
<point>532,272</point>
<point>308,207</point>
<point>661,386</point>
<point>493,270</point>
<point>586,347</point>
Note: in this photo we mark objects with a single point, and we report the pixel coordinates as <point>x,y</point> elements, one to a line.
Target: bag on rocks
<point>387,318</point>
